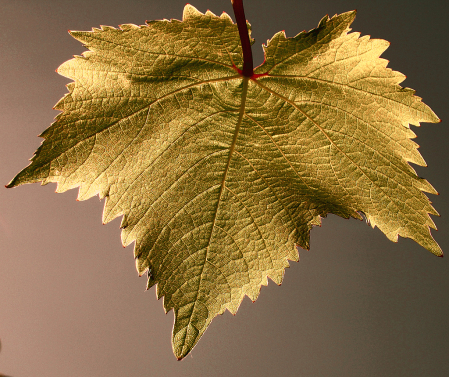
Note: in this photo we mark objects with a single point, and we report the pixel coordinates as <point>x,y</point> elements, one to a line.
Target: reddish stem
<point>239,12</point>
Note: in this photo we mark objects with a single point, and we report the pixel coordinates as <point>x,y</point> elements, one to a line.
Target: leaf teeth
<point>190,12</point>
<point>128,27</point>
<point>107,28</point>
<point>226,16</point>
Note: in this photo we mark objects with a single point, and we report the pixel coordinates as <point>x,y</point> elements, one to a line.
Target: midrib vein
<point>231,151</point>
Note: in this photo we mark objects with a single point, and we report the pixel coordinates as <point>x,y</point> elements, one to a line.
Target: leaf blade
<point>219,177</point>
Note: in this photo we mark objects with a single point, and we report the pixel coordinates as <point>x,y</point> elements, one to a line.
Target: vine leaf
<point>218,176</point>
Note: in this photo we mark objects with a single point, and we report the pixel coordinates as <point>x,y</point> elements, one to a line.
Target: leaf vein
<point>332,142</point>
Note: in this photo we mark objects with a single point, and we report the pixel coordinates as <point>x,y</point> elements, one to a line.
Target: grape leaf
<point>219,176</point>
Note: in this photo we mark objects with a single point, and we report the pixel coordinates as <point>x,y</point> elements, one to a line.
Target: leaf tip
<point>439,253</point>
<point>14,182</point>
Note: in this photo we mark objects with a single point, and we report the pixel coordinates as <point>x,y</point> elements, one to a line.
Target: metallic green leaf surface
<point>219,177</point>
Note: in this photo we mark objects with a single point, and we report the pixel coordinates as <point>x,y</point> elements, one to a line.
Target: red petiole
<point>239,12</point>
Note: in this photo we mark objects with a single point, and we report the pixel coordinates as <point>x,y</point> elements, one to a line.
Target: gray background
<point>71,303</point>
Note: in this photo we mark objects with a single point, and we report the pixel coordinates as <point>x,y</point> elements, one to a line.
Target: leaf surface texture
<point>219,177</point>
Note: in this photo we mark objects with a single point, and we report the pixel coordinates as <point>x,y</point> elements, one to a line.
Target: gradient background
<point>71,303</point>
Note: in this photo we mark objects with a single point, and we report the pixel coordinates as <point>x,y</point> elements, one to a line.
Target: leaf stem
<point>239,12</point>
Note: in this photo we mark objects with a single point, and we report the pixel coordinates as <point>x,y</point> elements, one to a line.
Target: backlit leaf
<point>219,177</point>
